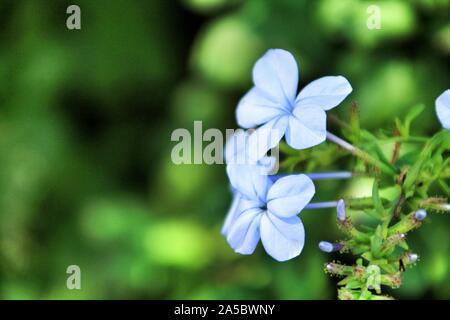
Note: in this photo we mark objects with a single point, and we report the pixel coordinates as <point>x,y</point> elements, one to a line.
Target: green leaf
<point>346,280</point>
<point>354,122</point>
<point>365,295</point>
<point>376,241</point>
<point>407,159</point>
<point>403,245</point>
<point>424,157</point>
<point>353,284</point>
<point>444,187</point>
<point>414,112</point>
<point>376,148</point>
<point>380,262</point>
<point>389,268</point>
<point>376,199</point>
<point>367,256</point>
<point>372,213</point>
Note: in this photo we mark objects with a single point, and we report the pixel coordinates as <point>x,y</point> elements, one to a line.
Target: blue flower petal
<point>283,239</point>
<point>443,109</point>
<point>236,152</point>
<point>267,164</point>
<point>267,137</point>
<point>326,92</point>
<point>307,127</point>
<point>235,148</point>
<point>249,180</point>
<point>340,209</point>
<point>247,204</point>
<point>244,233</point>
<point>289,195</point>
<point>276,74</point>
<point>232,214</point>
<point>256,108</point>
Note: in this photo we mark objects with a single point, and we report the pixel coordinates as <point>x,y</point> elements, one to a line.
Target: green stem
<point>406,139</point>
<point>405,225</point>
<point>375,162</point>
<point>387,169</point>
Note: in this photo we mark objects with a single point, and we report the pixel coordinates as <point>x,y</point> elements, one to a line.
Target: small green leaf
<point>407,159</point>
<point>365,295</point>
<point>353,284</point>
<point>414,112</point>
<point>346,280</point>
<point>367,256</point>
<point>376,241</point>
<point>376,199</point>
<point>403,245</point>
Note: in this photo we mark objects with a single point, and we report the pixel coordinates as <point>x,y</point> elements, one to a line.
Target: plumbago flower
<point>240,170</point>
<point>268,211</point>
<point>272,101</point>
<point>274,107</point>
<point>443,109</point>
<point>265,207</point>
<point>238,158</point>
<point>243,172</point>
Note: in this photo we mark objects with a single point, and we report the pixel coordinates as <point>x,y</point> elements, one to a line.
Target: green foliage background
<point>85,123</point>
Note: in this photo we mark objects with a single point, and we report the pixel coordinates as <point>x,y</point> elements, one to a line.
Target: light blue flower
<point>340,209</point>
<point>443,109</point>
<point>413,257</point>
<point>233,213</point>
<point>329,247</point>
<point>237,153</point>
<point>240,169</point>
<point>267,211</point>
<point>420,214</point>
<point>274,107</point>
<point>240,166</point>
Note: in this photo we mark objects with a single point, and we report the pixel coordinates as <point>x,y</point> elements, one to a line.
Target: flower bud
<point>341,216</point>
<point>330,267</point>
<point>330,247</point>
<point>420,214</point>
<point>338,269</point>
<point>413,257</point>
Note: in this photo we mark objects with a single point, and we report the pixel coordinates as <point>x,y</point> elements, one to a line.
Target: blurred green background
<point>85,123</point>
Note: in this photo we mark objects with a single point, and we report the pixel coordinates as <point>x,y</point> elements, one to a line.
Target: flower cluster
<point>266,207</point>
<point>262,209</point>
